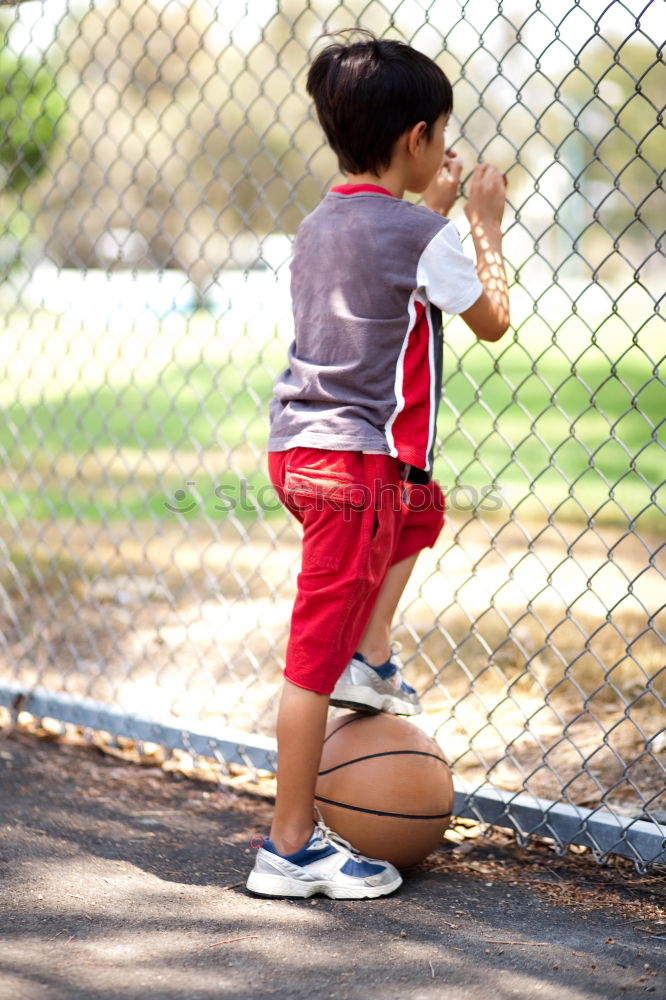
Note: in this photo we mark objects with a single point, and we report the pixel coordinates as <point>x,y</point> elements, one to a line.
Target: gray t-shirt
<point>371,275</point>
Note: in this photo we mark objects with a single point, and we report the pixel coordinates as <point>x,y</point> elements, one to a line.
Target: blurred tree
<point>178,135</point>
<point>191,137</point>
<point>613,148</point>
<point>31,110</point>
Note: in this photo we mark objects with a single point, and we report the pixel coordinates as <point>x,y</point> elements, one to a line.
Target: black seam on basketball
<point>384,753</point>
<point>379,812</point>
<point>355,718</point>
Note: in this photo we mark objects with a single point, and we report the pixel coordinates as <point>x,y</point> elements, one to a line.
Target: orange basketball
<point>385,786</point>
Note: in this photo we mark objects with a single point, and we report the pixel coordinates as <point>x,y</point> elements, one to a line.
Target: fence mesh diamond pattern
<point>157,157</point>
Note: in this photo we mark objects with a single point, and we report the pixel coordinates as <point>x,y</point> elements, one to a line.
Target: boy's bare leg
<point>301,727</point>
<point>301,723</point>
<point>375,643</point>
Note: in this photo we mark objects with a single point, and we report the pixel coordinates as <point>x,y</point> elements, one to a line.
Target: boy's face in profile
<point>427,157</point>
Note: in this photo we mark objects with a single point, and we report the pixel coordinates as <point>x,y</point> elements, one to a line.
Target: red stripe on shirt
<point>411,428</point>
<point>359,188</point>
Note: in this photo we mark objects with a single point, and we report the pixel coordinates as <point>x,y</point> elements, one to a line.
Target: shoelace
<point>330,836</point>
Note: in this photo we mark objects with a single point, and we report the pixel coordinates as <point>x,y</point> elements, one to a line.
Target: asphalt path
<point>124,882</point>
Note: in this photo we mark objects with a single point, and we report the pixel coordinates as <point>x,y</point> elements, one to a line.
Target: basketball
<point>384,786</point>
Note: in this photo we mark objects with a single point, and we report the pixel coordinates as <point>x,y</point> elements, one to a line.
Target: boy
<point>353,418</point>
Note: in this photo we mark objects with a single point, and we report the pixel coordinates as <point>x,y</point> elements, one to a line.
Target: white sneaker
<point>363,687</point>
<point>326,864</point>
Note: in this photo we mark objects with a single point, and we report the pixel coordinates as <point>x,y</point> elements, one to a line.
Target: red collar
<point>359,188</point>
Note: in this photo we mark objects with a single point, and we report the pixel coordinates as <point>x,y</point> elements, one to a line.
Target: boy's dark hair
<point>368,93</point>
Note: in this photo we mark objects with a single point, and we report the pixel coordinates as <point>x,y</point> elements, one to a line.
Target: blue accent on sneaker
<point>385,671</point>
<point>342,874</point>
<point>361,869</point>
<point>304,855</point>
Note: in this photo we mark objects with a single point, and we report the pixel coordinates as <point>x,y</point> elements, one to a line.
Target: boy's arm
<point>489,317</point>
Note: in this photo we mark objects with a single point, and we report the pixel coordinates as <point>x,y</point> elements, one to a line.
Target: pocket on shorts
<point>318,486</point>
<point>332,506</point>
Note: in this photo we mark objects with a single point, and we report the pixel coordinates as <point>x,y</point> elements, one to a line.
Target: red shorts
<point>358,518</point>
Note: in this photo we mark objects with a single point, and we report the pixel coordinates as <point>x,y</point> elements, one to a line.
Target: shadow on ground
<point>123,882</point>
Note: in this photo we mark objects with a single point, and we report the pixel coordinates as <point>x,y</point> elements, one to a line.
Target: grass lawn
<point>565,421</point>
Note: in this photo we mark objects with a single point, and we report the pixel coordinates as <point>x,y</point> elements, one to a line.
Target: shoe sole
<point>346,696</point>
<point>272,886</point>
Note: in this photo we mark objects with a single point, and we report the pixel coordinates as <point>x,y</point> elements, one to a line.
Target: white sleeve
<point>447,274</point>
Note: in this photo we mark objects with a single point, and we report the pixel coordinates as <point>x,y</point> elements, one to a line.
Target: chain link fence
<point>157,157</point>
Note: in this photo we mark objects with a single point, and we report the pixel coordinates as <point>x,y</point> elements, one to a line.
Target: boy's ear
<point>415,136</point>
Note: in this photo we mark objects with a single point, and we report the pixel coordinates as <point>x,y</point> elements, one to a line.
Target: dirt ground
<point>121,881</point>
<point>565,695</point>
